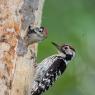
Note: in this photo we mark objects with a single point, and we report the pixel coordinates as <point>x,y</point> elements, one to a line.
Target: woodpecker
<point>35,35</point>
<point>51,68</point>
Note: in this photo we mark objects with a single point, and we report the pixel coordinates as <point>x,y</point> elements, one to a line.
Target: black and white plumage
<point>50,68</point>
<point>35,35</point>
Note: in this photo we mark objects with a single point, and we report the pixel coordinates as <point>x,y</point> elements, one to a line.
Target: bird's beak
<point>56,45</point>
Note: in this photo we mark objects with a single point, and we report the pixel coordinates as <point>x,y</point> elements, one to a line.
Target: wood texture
<point>16,71</point>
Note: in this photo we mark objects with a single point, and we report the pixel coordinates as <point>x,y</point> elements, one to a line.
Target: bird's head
<point>38,32</point>
<point>35,35</point>
<point>67,50</point>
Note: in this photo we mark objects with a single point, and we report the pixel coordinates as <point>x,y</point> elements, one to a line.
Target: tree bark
<point>17,71</point>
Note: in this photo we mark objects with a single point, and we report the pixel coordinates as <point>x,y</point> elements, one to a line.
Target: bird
<point>48,71</point>
<point>33,35</point>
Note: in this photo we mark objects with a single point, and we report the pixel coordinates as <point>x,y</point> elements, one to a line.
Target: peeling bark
<point>16,71</point>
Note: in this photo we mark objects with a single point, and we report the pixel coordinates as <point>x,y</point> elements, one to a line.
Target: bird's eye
<point>65,48</point>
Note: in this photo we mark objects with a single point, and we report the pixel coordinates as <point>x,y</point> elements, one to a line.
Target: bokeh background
<point>71,22</point>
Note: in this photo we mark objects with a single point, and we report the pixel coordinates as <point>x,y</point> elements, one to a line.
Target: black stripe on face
<point>68,57</point>
<point>31,31</point>
<point>42,28</point>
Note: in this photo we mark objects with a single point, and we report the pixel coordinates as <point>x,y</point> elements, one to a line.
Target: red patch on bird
<point>45,32</point>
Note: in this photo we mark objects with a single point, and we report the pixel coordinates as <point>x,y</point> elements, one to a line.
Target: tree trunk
<point>16,71</point>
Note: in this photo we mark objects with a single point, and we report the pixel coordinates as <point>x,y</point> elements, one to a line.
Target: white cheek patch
<point>41,29</point>
<point>73,54</point>
<point>69,52</point>
<point>39,34</point>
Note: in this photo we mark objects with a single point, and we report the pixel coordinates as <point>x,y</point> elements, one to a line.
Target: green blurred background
<point>71,22</point>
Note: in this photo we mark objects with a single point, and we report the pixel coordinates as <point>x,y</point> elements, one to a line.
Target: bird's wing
<point>49,75</point>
